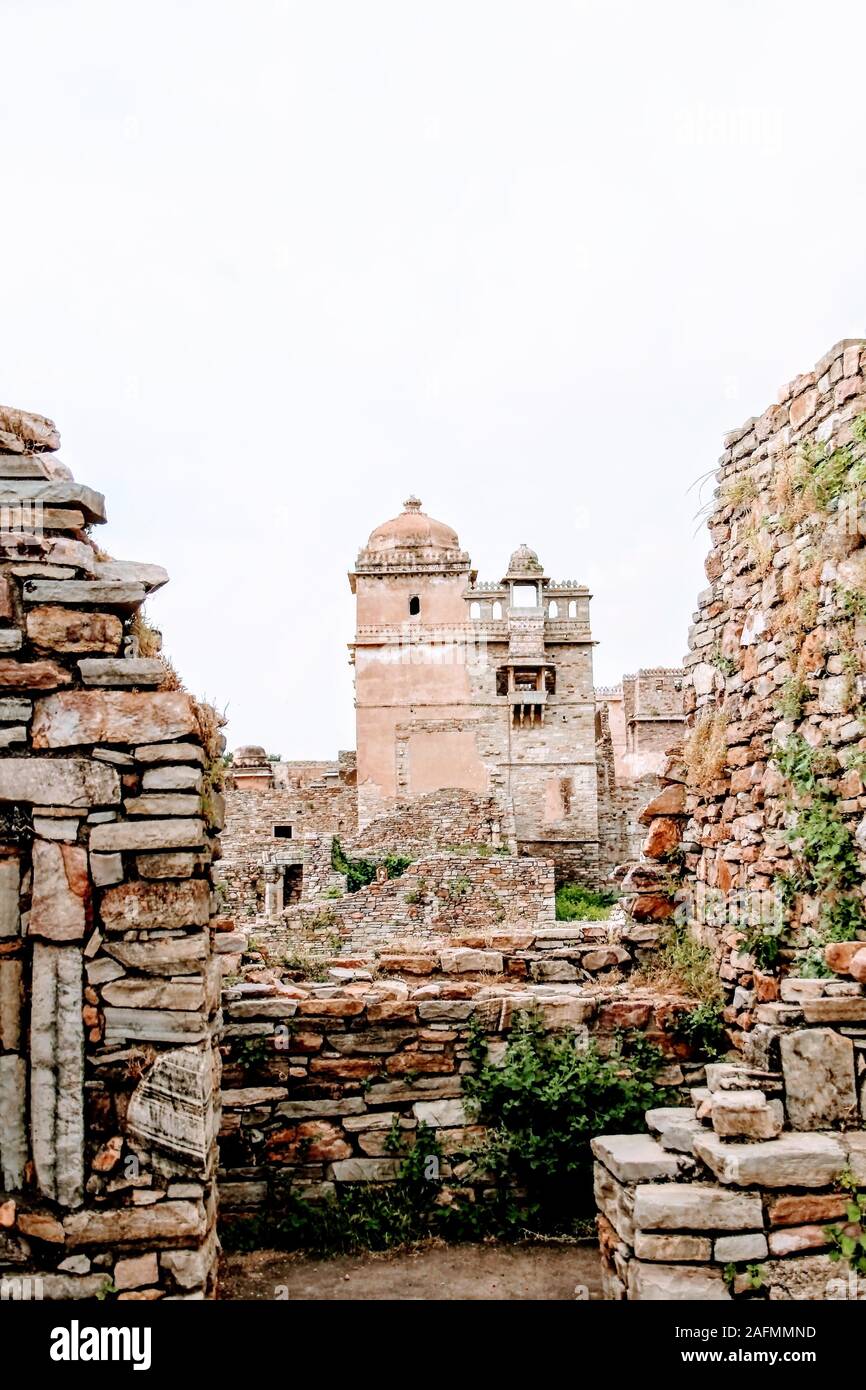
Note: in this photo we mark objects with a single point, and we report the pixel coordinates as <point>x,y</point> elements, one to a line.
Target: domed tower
<point>411,684</point>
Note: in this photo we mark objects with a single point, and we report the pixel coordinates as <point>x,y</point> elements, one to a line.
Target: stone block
<point>795,1239</point>
<point>464,961</point>
<point>11,997</point>
<point>148,835</point>
<point>70,630</point>
<point>32,675</point>
<point>841,1010</point>
<point>675,1283</point>
<point>675,1126</point>
<point>148,906</point>
<point>154,754</point>
<point>615,1202</point>
<point>171,1109</point>
<point>88,717</point>
<point>163,804</point>
<point>792,1160</point>
<point>440,1114</point>
<point>752,1245</point>
<point>154,1025</point>
<point>820,1080</point>
<point>164,1223</point>
<point>695,1207</point>
<point>57,1073</point>
<point>10,903</point>
<point>162,955</point>
<point>73,782</point>
<point>809,1209</point>
<point>122,671</point>
<point>365,1170</point>
<point>668,1249</point>
<point>635,1158</point>
<point>746,1114</point>
<point>136,1272</point>
<point>60,909</point>
<point>106,869</point>
<point>13,1134</point>
<point>808,1279</point>
<point>172,779</point>
<point>85,593</point>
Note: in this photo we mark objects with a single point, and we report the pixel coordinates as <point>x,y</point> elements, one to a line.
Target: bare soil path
<point>432,1272</point>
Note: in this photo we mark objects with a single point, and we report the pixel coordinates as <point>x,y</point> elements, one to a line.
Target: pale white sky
<point>271,266</point>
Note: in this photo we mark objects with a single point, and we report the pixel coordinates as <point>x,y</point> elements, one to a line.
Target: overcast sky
<point>271,266</point>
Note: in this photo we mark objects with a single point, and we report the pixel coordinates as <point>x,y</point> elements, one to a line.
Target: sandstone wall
<point>109,1000</point>
<point>318,1077</point>
<point>776,660</point>
<point>755,846</point>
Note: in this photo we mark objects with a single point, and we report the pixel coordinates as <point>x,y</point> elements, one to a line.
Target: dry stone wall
<point>109,998</point>
<point>318,1077</point>
<point>436,895</point>
<point>755,847</point>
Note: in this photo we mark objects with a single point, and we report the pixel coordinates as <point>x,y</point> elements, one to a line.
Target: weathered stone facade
<point>755,847</point>
<point>109,997</point>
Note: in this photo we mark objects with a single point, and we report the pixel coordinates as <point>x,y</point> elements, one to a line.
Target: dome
<point>413,529</point>
<point>524,561</point>
<point>250,755</point>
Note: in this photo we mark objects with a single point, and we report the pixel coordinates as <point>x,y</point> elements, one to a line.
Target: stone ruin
<point>112,952</point>
<point>755,847</point>
<point>109,991</point>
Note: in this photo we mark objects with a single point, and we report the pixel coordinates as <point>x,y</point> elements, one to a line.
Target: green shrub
<point>544,1102</point>
<point>574,903</point>
<point>703,1029</point>
<point>361,872</point>
<point>764,943</point>
<point>842,920</point>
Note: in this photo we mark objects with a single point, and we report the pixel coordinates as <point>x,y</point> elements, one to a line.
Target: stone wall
<point>308,797</point>
<point>318,1076</point>
<point>109,1001</point>
<point>755,846</point>
<point>437,895</point>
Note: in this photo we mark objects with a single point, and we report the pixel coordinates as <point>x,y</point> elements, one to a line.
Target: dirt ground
<point>434,1272</point>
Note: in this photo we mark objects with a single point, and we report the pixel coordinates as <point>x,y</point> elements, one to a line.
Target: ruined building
<point>483,686</point>
<point>477,687</point>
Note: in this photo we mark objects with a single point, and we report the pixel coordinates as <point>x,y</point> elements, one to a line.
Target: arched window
<point>572,608</point>
<point>475,612</point>
<point>497,610</point>
<point>553,609</point>
<point>414,606</point>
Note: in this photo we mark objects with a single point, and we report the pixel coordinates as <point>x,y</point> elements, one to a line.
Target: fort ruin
<point>182,1032</point>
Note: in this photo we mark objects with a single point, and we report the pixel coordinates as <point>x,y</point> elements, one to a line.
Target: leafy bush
<point>574,903</point>
<point>361,872</point>
<point>545,1101</point>
<point>842,920</point>
<point>764,942</point>
<point>703,1028</point>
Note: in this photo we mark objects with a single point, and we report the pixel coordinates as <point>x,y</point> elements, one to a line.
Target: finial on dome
<point>412,504</point>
